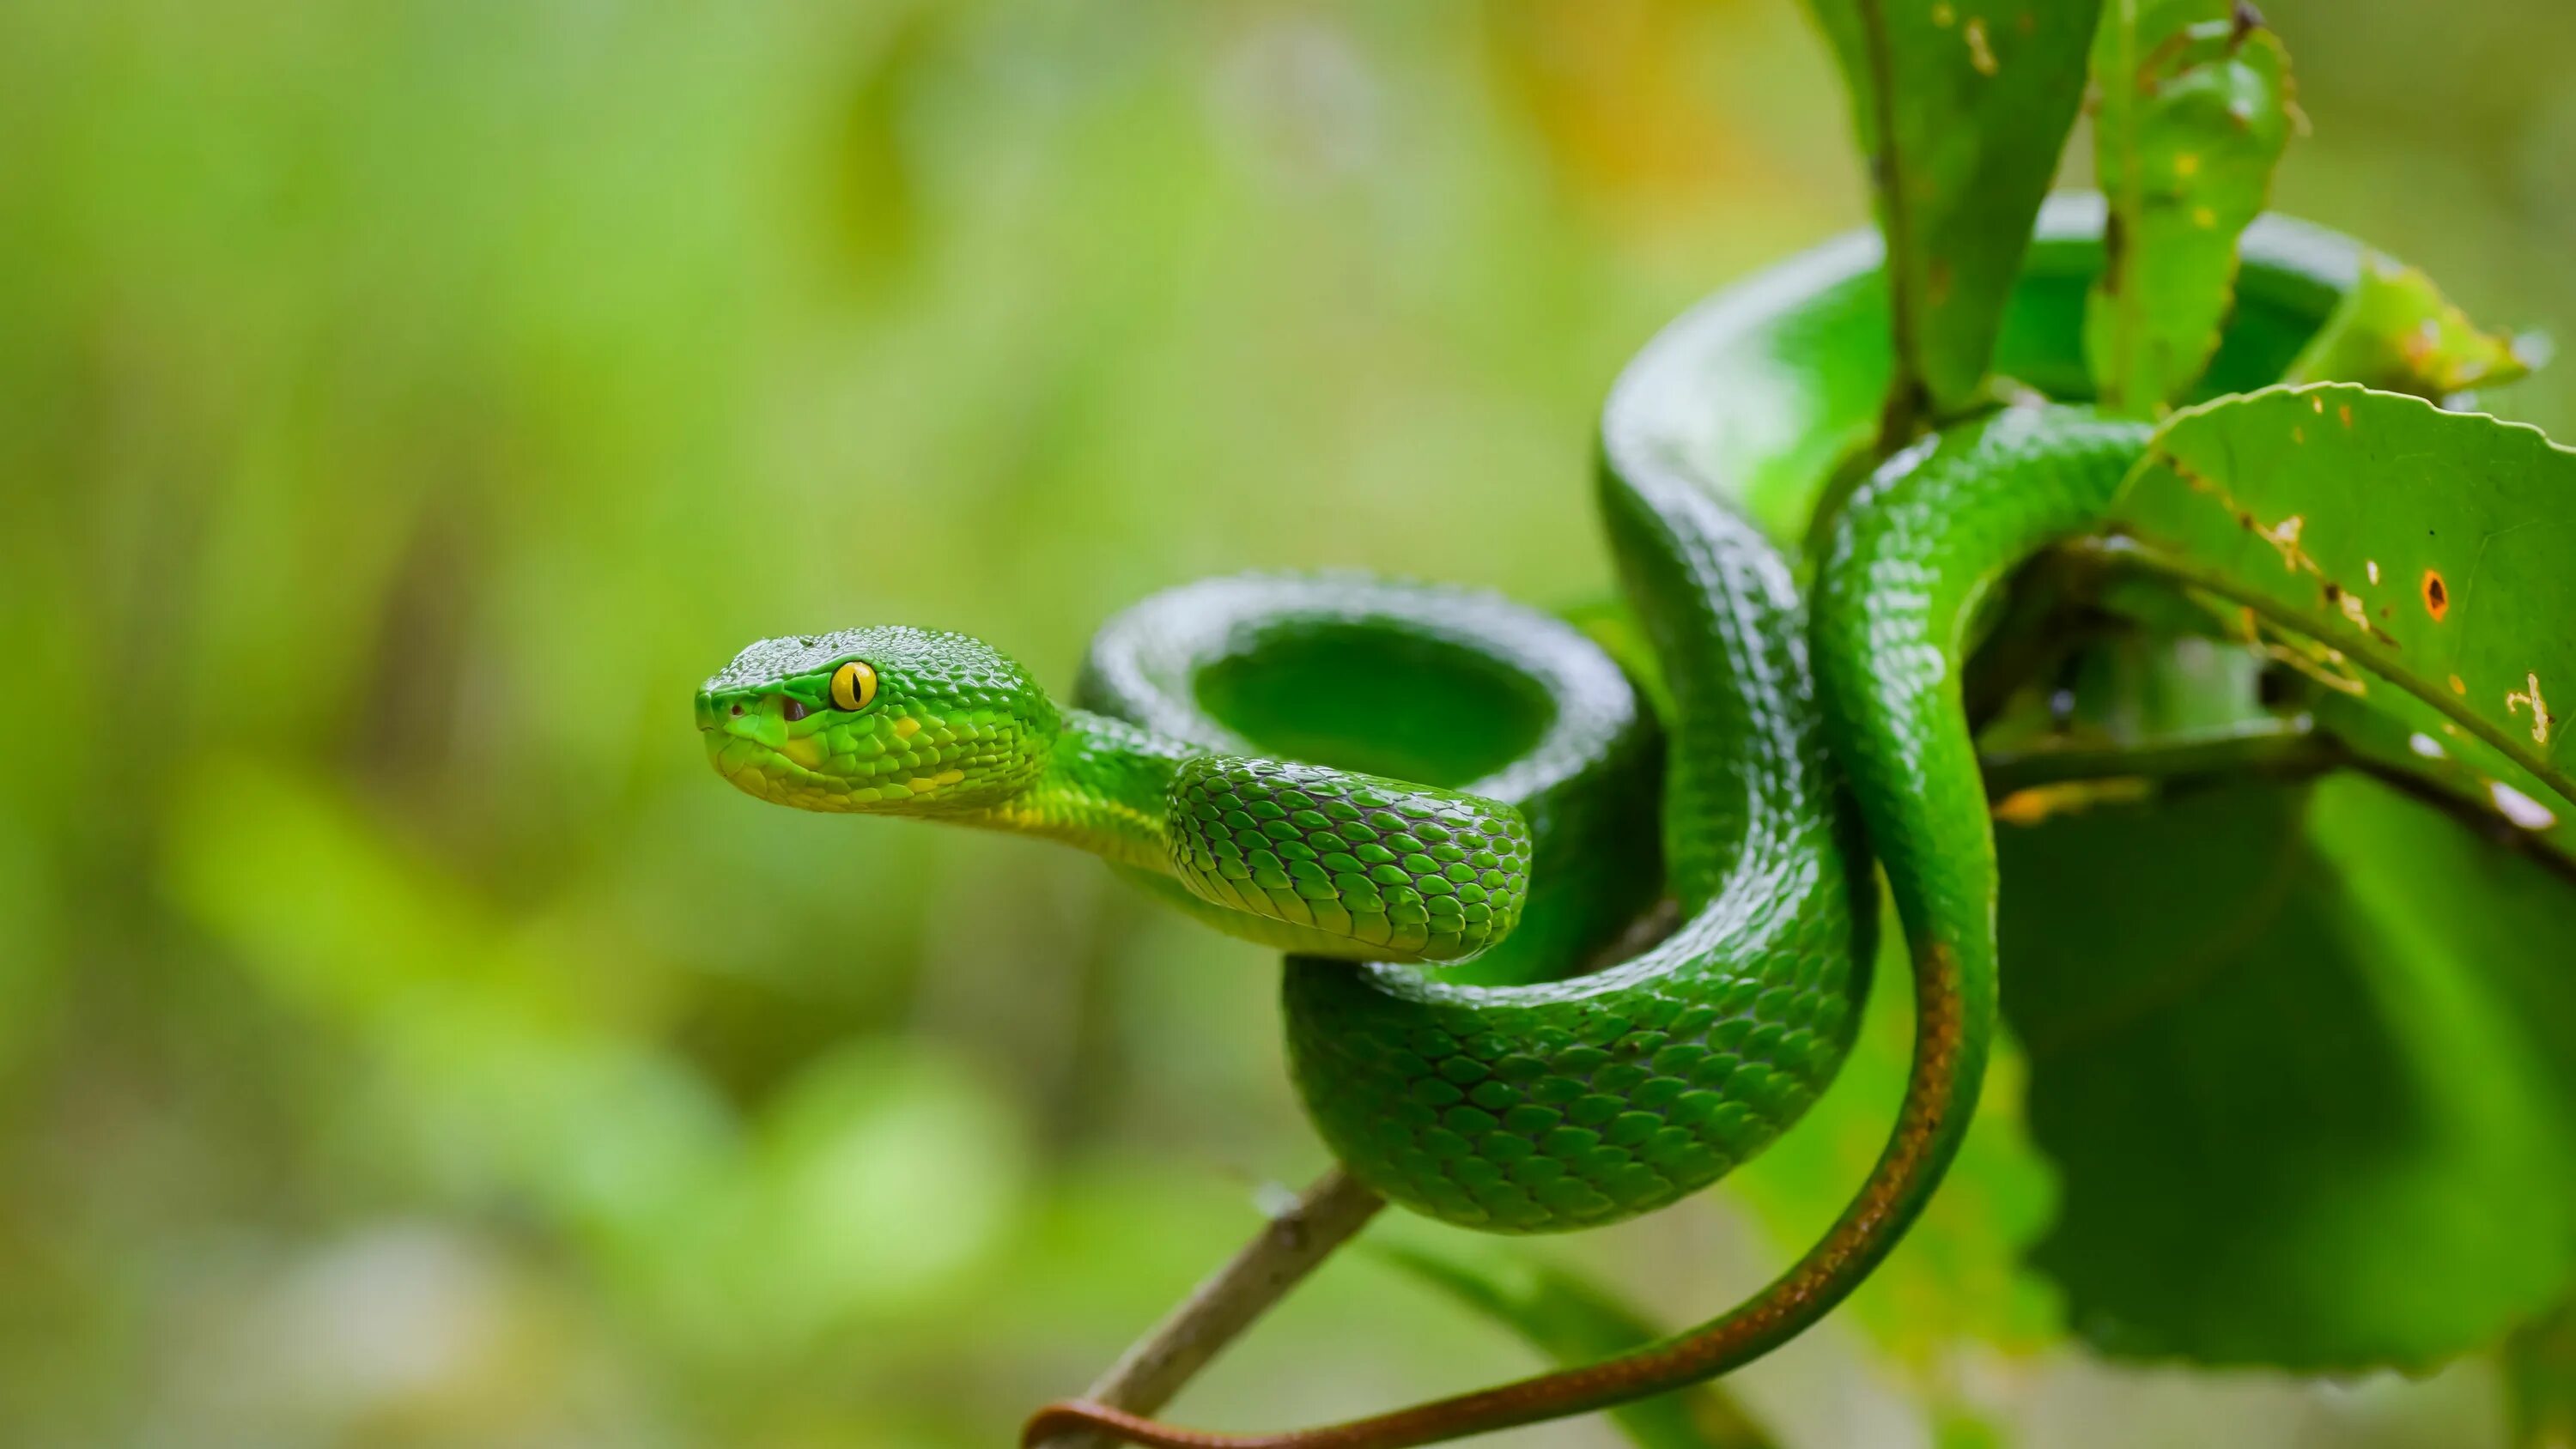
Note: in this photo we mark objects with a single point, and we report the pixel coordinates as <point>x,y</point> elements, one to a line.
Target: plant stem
<point>2281,748</point>
<point>1278,1258</point>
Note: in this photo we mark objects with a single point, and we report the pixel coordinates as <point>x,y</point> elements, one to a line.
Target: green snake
<point>1378,777</point>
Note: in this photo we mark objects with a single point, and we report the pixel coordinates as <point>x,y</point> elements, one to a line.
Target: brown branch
<point>1278,1258</point>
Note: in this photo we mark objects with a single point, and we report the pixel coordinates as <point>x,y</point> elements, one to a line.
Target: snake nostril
<point>737,711</point>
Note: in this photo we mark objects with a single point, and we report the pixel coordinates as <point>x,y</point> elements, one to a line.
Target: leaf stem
<point>1908,399</point>
<point>2288,750</point>
<point>2289,747</point>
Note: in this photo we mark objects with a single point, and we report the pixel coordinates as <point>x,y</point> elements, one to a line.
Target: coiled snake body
<point>1510,816</point>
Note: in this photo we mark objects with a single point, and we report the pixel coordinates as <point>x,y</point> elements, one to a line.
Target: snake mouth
<point>749,742</point>
<point>758,767</point>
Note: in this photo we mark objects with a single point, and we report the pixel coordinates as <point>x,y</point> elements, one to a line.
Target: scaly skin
<point>1535,1105</point>
<point>1297,857</point>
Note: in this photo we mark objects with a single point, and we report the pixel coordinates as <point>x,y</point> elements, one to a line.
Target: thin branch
<point>2284,748</point>
<point>1278,1258</point>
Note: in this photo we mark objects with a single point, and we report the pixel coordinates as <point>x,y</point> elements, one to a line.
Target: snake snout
<point>731,710</point>
<point>758,716</point>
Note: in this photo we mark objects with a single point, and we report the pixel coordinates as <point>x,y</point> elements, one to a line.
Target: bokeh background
<point>405,1040</point>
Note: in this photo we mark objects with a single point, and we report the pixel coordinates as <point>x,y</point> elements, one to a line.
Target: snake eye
<point>853,685</point>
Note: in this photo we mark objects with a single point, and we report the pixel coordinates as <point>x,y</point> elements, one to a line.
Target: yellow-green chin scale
<point>903,721</point>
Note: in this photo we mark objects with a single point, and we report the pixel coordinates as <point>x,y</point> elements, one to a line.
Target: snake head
<point>888,721</point>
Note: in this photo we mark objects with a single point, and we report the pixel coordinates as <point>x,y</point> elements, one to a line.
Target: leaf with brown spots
<point>1961,108</point>
<point>2395,331</point>
<point>2192,111</point>
<point>2434,552</point>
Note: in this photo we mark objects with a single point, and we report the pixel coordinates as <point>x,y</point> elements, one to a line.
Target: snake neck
<point>1102,791</point>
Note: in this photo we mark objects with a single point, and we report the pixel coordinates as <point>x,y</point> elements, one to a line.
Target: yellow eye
<point>853,685</point>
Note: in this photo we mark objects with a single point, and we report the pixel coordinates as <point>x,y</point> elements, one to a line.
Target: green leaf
<point>2420,550</point>
<point>2396,331</point>
<point>1574,1322</point>
<point>1961,107</point>
<point>2193,114</point>
<point>2306,1060</point>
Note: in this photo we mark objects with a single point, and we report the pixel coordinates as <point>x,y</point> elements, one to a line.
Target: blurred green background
<point>406,1040</point>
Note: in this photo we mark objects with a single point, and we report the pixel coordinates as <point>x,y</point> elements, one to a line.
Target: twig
<point>1287,1248</point>
<point>2276,748</point>
<point>2282,750</point>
